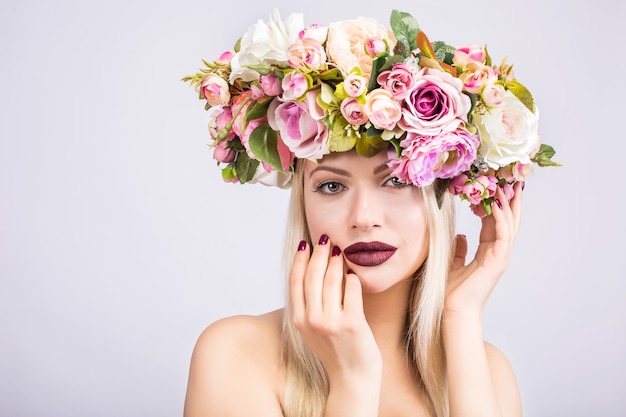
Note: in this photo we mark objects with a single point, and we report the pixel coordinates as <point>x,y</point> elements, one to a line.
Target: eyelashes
<point>335,187</point>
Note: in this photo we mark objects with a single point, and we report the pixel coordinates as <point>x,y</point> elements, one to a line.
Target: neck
<point>386,315</point>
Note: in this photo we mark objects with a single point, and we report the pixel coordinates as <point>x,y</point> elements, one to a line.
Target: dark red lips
<point>369,253</point>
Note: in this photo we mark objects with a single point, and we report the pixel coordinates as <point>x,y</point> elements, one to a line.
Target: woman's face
<point>378,223</point>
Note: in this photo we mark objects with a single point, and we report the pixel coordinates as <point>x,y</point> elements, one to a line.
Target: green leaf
<point>370,145</point>
<point>261,68</point>
<point>264,145</point>
<point>257,110</point>
<point>543,157</point>
<point>521,93</point>
<point>245,167</point>
<point>339,140</point>
<point>228,173</point>
<point>443,52</point>
<point>405,27</point>
<point>377,64</point>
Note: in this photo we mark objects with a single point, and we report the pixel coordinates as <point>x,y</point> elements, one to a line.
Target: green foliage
<point>245,167</point>
<point>340,139</point>
<point>443,52</point>
<point>521,93</point>
<point>370,145</point>
<point>257,110</point>
<point>264,145</point>
<point>543,158</point>
<point>405,27</point>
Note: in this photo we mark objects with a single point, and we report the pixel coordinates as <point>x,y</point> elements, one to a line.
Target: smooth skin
<point>352,317</point>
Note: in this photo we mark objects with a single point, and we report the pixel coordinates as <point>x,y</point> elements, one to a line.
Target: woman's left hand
<point>469,286</point>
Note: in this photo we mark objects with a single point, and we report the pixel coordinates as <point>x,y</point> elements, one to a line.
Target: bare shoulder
<point>504,381</point>
<point>236,368</point>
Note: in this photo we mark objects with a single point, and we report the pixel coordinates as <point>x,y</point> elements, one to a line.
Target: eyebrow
<point>381,168</point>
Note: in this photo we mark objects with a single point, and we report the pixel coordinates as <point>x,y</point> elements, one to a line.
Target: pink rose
<point>219,117</point>
<point>346,41</point>
<point>474,192</point>
<point>270,84</point>
<point>301,125</point>
<point>426,158</point>
<point>239,106</point>
<point>352,111</point>
<point>457,184</point>
<point>215,90</point>
<point>399,80</point>
<point>476,76</point>
<point>224,58</point>
<point>435,104</point>
<point>493,95</point>
<point>490,183</point>
<point>294,85</point>
<point>222,153</point>
<point>375,46</point>
<point>469,53</point>
<point>315,31</point>
<point>355,85</point>
<point>306,55</point>
<point>381,109</point>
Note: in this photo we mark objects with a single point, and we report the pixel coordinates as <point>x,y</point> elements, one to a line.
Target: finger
<point>460,251</point>
<point>333,280</point>
<point>296,280</point>
<point>353,295</point>
<point>314,276</point>
<point>516,203</point>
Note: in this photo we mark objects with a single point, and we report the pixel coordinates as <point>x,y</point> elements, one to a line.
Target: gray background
<point>119,243</point>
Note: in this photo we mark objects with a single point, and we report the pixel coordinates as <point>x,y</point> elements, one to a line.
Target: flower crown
<point>291,91</point>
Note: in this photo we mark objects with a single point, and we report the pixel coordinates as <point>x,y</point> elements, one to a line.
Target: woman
<point>383,314</point>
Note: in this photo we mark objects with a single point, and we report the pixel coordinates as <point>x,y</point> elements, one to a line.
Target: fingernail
<point>523,185</point>
<point>350,271</point>
<point>302,245</point>
<point>336,251</point>
<point>323,239</point>
<point>499,204</point>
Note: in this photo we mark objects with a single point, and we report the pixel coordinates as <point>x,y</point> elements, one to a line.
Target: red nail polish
<point>350,271</point>
<point>336,251</point>
<point>323,239</point>
<point>499,204</point>
<point>523,185</point>
<point>302,245</point>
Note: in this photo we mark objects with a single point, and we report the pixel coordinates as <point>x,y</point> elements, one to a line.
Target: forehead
<point>351,162</point>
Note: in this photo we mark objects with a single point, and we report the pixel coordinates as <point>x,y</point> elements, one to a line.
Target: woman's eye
<point>330,187</point>
<point>395,182</point>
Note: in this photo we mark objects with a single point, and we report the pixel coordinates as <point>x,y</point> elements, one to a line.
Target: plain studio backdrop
<point>119,242</point>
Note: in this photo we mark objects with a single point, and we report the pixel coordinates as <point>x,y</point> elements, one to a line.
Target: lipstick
<point>369,253</point>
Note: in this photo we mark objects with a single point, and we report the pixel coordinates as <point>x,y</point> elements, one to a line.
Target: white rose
<point>265,43</point>
<point>271,178</point>
<point>508,132</point>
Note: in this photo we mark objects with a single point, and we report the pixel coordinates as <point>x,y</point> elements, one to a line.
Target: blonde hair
<point>306,387</point>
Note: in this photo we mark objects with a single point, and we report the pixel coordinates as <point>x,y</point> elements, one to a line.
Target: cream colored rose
<point>266,43</point>
<point>508,133</point>
<point>346,42</point>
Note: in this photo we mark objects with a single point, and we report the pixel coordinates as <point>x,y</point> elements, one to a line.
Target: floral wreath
<point>291,91</point>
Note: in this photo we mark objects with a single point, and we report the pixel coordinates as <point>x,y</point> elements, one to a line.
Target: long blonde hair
<point>306,386</point>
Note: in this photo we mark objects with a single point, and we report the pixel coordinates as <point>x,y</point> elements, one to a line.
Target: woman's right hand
<point>327,309</point>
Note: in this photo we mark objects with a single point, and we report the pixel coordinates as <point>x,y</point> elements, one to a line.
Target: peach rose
<point>347,40</point>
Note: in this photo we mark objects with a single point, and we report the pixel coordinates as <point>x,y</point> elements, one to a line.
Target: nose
<point>367,210</point>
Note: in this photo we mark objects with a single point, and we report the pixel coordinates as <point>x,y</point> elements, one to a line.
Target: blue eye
<point>329,187</point>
